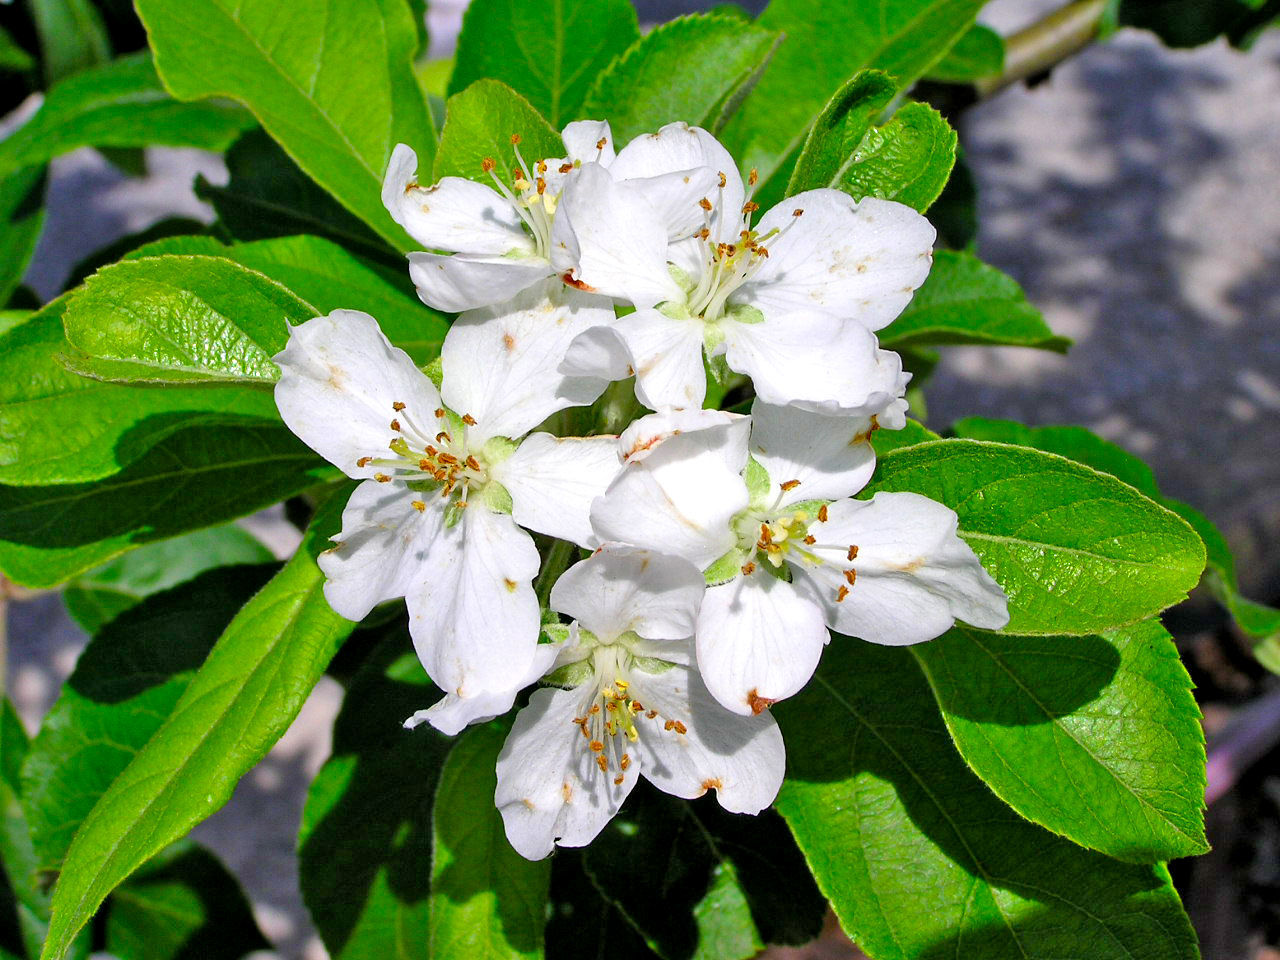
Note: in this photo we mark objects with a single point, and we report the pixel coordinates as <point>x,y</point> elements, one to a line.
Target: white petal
<point>462,282</point>
<point>716,431</point>
<point>381,550</point>
<point>549,787</point>
<point>581,138</point>
<point>666,356</point>
<point>741,758</point>
<point>598,352</point>
<point>831,457</point>
<point>500,362</point>
<point>677,198</point>
<point>339,377</point>
<point>454,214</point>
<point>758,641</point>
<point>451,713</point>
<point>817,362</point>
<point>860,260</point>
<point>552,481</point>
<point>914,577</point>
<point>619,238</point>
<point>473,614</point>
<point>620,589</point>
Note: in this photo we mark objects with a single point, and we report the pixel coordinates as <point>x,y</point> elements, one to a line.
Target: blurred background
<point>1133,193</point>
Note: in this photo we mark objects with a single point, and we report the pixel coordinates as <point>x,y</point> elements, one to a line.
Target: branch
<point>1045,43</point>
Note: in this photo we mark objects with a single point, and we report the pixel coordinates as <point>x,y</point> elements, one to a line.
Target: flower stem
<point>559,556</point>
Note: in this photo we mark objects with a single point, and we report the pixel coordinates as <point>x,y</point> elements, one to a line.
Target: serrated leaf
<point>174,319</point>
<point>197,478</point>
<point>365,839</point>
<point>690,69</point>
<point>917,857</point>
<point>119,104</point>
<point>978,53</point>
<point>240,702</point>
<point>57,427</point>
<point>550,52</point>
<point>826,44</point>
<point>1096,738</point>
<point>966,301</point>
<point>332,82</point>
<point>21,220</point>
<point>882,441</point>
<point>479,123</point>
<point>1076,551</point>
<point>487,901</point>
<point>102,594</point>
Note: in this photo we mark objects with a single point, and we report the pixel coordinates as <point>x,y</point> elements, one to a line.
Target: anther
<point>669,725</point>
<point>395,425</point>
<point>748,568</point>
<point>515,139</point>
<point>753,177</point>
<point>810,540</point>
<point>651,714</point>
<point>617,781</point>
<point>419,506</point>
<point>397,406</point>
<point>473,463</point>
<point>382,478</point>
<point>602,763</point>
<point>842,593</point>
<point>364,461</point>
<point>851,575</point>
<point>443,437</point>
<point>681,728</point>
<point>797,212</point>
<point>448,458</point>
<point>469,420</point>
<point>822,513</point>
<point>853,551</point>
<point>750,207</point>
<point>596,746</point>
<point>705,204</point>
<point>565,167</point>
<point>462,504</point>
<point>790,484</point>
<point>439,413</point>
<point>600,144</point>
<point>487,164</point>
<point>724,181</point>
<point>542,166</point>
<point>624,761</point>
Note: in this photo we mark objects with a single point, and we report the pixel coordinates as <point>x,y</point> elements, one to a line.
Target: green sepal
<point>496,497</point>
<point>717,366</point>
<point>810,507</point>
<point>452,514</point>
<point>758,483</point>
<point>726,568</point>
<point>746,314</point>
<point>570,675</point>
<point>553,631</point>
<point>435,371</point>
<point>497,449</point>
<point>653,664</point>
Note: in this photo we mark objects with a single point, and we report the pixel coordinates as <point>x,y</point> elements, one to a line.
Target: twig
<point>1047,42</point>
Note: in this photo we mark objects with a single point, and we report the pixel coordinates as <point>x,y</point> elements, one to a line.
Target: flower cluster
<point>720,548</point>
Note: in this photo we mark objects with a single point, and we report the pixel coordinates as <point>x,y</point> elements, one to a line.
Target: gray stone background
<point>1134,196</point>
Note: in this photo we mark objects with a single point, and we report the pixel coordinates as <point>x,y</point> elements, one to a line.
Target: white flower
<point>447,487</point>
<point>796,556</point>
<point>499,241</point>
<point>790,302</point>
<point>630,705</point>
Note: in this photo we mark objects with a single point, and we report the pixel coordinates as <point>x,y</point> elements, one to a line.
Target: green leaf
<point>72,37</point>
<point>181,320</point>
<point>119,104</point>
<point>13,59</point>
<point>365,840</point>
<point>102,594</point>
<point>882,441</point>
<point>479,124</point>
<point>197,478</point>
<point>725,928</point>
<point>694,69</point>
<point>104,256</point>
<point>332,82</point>
<point>487,901</point>
<point>328,278</point>
<point>21,220</point>
<point>907,159</point>
<point>550,52</point>
<point>966,301</point>
<point>978,53</point>
<point>826,44</point>
<point>244,697</point>
<point>1076,551</point>
<point>25,929</point>
<point>268,196</point>
<point>57,427</point>
<point>920,861</point>
<point>182,903</point>
<point>1096,738</point>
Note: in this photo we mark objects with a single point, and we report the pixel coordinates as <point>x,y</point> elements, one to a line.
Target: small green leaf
<point>1096,738</point>
<point>479,123</point>
<point>332,82</point>
<point>549,52</point>
<point>1076,551</point>
<point>725,928</point>
<point>978,53</point>
<point>966,301</point>
<point>692,69</point>
<point>487,901</point>
<point>72,37</point>
<point>100,595</point>
<point>920,861</point>
<point>119,104</point>
<point>840,128</point>
<point>883,441</point>
<point>244,697</point>
<point>21,220</point>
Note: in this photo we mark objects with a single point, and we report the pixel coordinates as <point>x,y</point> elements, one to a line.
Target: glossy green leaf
<point>72,37</point>
<point>365,842</point>
<point>487,901</point>
<point>1076,551</point>
<point>267,195</point>
<point>694,69</point>
<point>182,904</point>
<point>966,301</point>
<point>57,427</point>
<point>197,478</point>
<point>550,52</point>
<point>21,220</point>
<point>725,927</point>
<point>240,702</point>
<point>332,82</point>
<point>882,441</point>
<point>826,44</point>
<point>102,594</point>
<point>1096,738</point>
<point>181,319</point>
<point>119,104</point>
<point>830,146</point>
<point>920,861</point>
<point>479,123</point>
<point>328,278</point>
<point>978,53</point>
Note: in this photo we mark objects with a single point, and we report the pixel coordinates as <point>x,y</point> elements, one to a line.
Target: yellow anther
<point>790,485</point>
<point>397,406</point>
<point>851,575</point>
<point>419,506</point>
<point>395,425</point>
<point>596,746</point>
<point>364,461</point>
<point>469,420</point>
<point>382,478</point>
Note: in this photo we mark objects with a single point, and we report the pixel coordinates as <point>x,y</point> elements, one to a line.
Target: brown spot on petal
<point>909,567</point>
<point>508,341</point>
<point>511,585</point>
<point>569,281</point>
<point>711,783</point>
<point>528,803</point>
<point>758,703</point>
<point>566,789</point>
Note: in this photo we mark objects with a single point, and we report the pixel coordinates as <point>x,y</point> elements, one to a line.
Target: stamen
<point>397,406</point>
<point>851,575</point>
<point>790,485</point>
<point>382,478</point>
<point>842,593</point>
<point>822,513</point>
<point>364,461</point>
<point>419,506</point>
<point>853,551</point>
<point>469,420</point>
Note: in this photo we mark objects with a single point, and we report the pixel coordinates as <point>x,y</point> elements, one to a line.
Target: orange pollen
<point>431,451</point>
<point>597,746</point>
<point>473,463</point>
<point>542,166</point>
<point>724,181</point>
<point>790,485</point>
<point>382,478</point>
<point>443,437</point>
<point>565,167</point>
<point>651,714</point>
<point>447,458</point>
<point>600,144</point>
<point>797,212</point>
<point>763,251</point>
<point>424,464</point>
<point>487,164</point>
<point>669,725</point>
<point>602,763</point>
<point>681,728</point>
<point>419,506</point>
<point>766,535</point>
<point>851,575</point>
<point>364,461</point>
<point>753,177</point>
<point>462,504</point>
<point>822,513</point>
<point>515,139</point>
<point>397,406</point>
<point>705,204</point>
<point>439,413</point>
<point>542,186</point>
<point>469,420</point>
<point>748,568</point>
<point>704,233</point>
<point>395,425</point>
<point>617,781</point>
<point>810,540</point>
<point>624,761</point>
<point>750,207</point>
<point>853,551</point>
<point>842,593</point>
